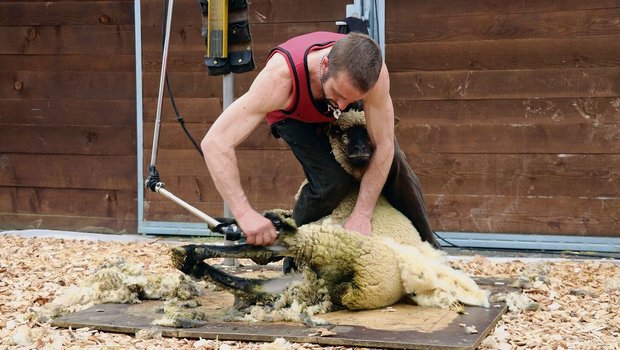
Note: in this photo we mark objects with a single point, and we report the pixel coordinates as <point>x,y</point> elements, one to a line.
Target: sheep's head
<point>350,142</point>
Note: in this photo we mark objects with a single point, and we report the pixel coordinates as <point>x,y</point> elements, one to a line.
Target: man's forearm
<point>373,181</point>
<point>224,171</point>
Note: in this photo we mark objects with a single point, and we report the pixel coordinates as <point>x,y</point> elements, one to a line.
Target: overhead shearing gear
<point>226,29</point>
<point>217,28</point>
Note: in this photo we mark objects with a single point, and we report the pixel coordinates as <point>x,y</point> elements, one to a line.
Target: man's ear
<point>325,65</point>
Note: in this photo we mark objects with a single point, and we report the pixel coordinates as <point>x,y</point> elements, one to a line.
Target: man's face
<point>339,92</point>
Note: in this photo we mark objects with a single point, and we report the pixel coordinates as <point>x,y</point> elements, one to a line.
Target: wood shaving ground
<point>578,299</point>
<point>322,332</point>
<point>589,319</point>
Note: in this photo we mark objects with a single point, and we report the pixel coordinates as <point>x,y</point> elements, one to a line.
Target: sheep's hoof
<point>457,307</point>
<point>184,258</point>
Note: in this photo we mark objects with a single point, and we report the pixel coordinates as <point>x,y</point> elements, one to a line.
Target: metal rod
<point>162,78</point>
<point>228,96</point>
<point>204,217</point>
<point>380,15</point>
<point>139,112</point>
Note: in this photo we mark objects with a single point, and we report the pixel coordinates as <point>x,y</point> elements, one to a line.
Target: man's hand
<point>359,223</point>
<point>258,229</point>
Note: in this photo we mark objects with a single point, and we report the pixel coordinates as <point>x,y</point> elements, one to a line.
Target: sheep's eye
<point>345,139</point>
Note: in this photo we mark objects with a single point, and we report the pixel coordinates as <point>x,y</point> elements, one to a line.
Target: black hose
<point>174,105</point>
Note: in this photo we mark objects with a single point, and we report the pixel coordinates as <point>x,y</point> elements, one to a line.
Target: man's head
<point>353,65</point>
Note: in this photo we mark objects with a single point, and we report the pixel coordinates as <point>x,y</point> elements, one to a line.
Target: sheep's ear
<point>336,130</point>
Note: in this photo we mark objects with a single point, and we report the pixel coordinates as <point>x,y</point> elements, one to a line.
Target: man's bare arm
<point>379,113</point>
<point>270,91</point>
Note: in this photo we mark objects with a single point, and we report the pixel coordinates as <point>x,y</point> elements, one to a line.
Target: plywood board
<point>401,326</point>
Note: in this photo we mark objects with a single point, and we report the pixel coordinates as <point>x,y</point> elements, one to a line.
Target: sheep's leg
<point>189,259</point>
<point>248,290</point>
<point>197,252</point>
<point>186,257</point>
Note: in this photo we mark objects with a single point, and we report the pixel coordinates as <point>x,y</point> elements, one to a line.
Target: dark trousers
<point>328,183</point>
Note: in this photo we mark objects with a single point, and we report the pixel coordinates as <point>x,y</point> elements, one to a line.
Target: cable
<point>180,118</point>
<point>450,244</point>
<point>174,105</point>
<point>581,254</point>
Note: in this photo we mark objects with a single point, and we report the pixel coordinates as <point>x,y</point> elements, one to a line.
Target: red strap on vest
<point>295,51</point>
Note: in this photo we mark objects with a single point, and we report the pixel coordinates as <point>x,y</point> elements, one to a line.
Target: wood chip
<point>578,298</point>
<point>322,332</point>
<point>471,330</point>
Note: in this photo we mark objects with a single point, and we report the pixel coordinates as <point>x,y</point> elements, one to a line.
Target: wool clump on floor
<point>121,282</point>
<point>299,302</point>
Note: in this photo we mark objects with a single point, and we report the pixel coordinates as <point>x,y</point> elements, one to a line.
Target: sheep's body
<point>378,270</point>
<point>344,261</point>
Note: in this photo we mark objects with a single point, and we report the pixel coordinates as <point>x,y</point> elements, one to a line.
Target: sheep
<point>343,269</point>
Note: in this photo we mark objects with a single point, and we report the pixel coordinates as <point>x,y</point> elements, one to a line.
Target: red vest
<point>296,51</point>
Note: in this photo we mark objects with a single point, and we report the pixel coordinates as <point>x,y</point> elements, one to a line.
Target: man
<point>306,82</point>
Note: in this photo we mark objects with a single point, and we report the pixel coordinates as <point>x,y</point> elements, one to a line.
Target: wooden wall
<point>509,111</point>
<point>67,115</point>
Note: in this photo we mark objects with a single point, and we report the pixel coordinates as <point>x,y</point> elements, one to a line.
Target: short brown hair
<point>358,55</point>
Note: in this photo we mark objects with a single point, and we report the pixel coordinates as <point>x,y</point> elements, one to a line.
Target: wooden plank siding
<point>67,115</point>
<point>509,111</point>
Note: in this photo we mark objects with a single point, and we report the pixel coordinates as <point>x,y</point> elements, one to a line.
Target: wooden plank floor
<point>402,326</point>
